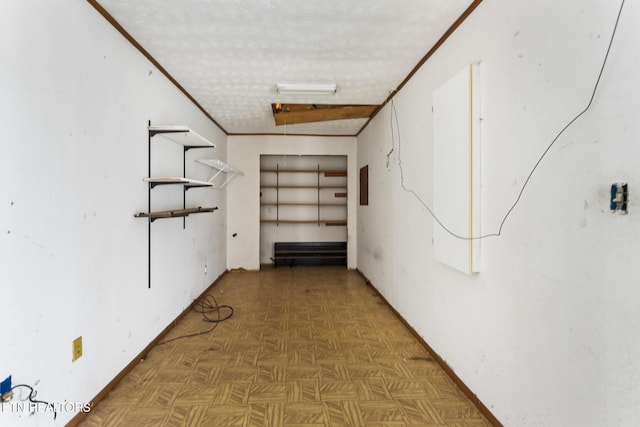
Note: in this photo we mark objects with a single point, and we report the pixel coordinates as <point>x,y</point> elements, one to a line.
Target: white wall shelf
<point>190,139</point>
<point>181,135</point>
<point>176,180</point>
<point>221,168</point>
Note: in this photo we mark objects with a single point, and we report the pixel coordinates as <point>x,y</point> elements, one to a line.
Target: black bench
<point>309,253</point>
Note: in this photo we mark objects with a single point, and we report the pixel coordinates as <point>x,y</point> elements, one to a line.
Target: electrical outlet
<point>619,197</point>
<point>77,348</point>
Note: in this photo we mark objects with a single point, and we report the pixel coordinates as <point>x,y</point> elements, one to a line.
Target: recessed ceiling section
<point>289,114</point>
<point>229,55</point>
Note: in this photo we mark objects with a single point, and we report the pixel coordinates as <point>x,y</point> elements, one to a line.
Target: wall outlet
<point>619,197</point>
<point>77,349</point>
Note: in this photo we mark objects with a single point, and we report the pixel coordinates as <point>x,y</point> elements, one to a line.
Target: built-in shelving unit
<point>292,197</point>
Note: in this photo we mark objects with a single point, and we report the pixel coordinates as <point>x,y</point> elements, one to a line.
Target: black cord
<point>32,395</point>
<point>207,306</point>
<point>526,182</point>
<point>392,139</point>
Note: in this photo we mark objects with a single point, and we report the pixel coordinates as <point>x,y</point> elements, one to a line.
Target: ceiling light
<point>306,89</point>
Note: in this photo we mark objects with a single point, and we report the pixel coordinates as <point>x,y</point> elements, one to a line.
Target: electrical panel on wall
<point>456,171</point>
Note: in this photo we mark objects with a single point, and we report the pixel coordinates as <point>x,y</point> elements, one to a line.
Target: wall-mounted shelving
<point>177,180</point>
<point>175,213</point>
<point>181,135</point>
<point>189,140</point>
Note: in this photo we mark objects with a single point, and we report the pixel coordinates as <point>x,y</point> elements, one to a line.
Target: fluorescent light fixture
<point>306,89</point>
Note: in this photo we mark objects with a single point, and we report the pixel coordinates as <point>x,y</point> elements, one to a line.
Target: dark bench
<point>309,253</point>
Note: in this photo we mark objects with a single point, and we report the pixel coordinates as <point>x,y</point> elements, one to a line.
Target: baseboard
<point>107,389</point>
<point>450,372</point>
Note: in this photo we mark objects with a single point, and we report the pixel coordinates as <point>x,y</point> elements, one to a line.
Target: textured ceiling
<point>229,54</point>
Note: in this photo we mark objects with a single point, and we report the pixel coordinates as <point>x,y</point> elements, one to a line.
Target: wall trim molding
<point>328,135</point>
<point>80,416</point>
<point>106,15</point>
<point>448,370</point>
<point>424,59</point>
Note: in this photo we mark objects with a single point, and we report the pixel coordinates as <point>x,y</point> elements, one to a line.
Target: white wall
<point>547,333</point>
<point>76,98</point>
<point>244,193</point>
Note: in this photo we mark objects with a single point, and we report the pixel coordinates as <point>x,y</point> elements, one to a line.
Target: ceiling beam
<point>289,114</point>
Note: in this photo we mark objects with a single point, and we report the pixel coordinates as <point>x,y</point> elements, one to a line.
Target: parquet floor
<point>306,347</point>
